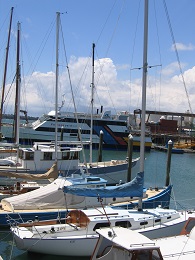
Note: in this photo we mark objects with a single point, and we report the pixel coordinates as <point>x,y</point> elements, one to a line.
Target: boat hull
<point>84,245</point>
<point>113,138</point>
<point>81,246</point>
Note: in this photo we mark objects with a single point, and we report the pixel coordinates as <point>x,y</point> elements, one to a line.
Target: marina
<point>183,197</point>
<point>82,205</point>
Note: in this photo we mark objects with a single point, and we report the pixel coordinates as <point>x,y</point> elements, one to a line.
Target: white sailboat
<point>53,197</point>
<point>33,162</point>
<point>77,236</point>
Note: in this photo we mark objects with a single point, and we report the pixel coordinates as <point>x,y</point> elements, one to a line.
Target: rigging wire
<point>23,89</point>
<point>33,61</point>
<point>102,74</point>
<point>133,50</point>
<point>177,55</point>
<point>109,44</point>
<point>70,81</point>
<point>106,21</point>
<point>158,38</point>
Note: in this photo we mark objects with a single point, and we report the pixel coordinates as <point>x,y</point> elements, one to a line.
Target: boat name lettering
<point>61,228</point>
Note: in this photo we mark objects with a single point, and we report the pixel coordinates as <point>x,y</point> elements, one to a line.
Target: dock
<point>174,150</point>
<point>174,126</point>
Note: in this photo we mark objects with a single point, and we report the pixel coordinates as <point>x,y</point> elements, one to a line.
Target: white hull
<point>62,246</point>
<point>79,243</point>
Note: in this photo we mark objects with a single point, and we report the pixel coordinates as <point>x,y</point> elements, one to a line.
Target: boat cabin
<point>120,243</point>
<point>42,156</point>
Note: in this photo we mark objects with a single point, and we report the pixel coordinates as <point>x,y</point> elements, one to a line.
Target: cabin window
<point>21,154</point>
<point>73,135</point>
<point>143,223</point>
<point>47,156</point>
<point>125,224</point>
<point>100,225</point>
<point>76,155</point>
<point>29,156</point>
<point>147,254</point>
<point>65,156</point>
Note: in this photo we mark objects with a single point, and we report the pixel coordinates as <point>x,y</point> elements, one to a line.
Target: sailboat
<point>114,171</point>
<point>33,163</point>
<point>41,157</point>
<point>115,127</point>
<point>52,200</point>
<point>77,236</point>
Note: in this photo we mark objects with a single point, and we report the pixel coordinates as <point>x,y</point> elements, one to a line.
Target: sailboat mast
<point>56,87</point>
<point>144,80</point>
<point>18,81</point>
<point>92,103</point>
<point>5,68</point>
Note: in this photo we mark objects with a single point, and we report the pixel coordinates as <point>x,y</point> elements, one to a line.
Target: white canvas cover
<point>51,196</point>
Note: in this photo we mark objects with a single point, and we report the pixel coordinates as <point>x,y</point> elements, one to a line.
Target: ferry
<point>115,128</point>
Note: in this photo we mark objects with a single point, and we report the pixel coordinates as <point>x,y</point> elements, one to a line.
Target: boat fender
<point>114,199</point>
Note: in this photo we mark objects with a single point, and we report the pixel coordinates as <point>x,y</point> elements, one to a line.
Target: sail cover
<point>50,196</point>
<point>130,189</point>
<point>52,173</point>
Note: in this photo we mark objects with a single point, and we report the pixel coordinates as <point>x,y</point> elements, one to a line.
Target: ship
<point>115,128</point>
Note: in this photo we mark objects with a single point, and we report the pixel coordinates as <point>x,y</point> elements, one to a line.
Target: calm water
<point>182,178</point>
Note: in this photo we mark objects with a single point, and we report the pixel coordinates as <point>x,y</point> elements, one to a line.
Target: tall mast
<point>18,81</point>
<point>144,80</point>
<point>5,68</point>
<point>56,88</point>
<point>92,103</point>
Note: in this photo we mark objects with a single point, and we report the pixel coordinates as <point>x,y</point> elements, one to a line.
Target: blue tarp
<point>133,188</point>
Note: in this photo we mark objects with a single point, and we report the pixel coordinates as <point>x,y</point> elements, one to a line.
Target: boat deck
<point>149,193</point>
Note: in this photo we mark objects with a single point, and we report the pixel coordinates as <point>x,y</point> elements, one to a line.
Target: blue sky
<point>116,27</point>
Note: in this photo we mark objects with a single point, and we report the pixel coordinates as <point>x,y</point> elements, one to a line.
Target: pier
<point>174,128</point>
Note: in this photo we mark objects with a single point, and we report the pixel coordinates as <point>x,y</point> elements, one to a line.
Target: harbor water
<point>182,177</point>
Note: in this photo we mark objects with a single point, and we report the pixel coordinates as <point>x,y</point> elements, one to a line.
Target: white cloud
<point>123,67</point>
<point>112,93</point>
<point>183,47</point>
<point>172,68</point>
